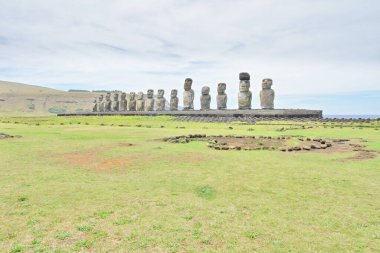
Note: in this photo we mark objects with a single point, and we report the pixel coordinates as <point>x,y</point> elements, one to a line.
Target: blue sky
<point>311,49</point>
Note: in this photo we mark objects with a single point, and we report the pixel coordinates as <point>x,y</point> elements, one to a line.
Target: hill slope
<point>18,98</point>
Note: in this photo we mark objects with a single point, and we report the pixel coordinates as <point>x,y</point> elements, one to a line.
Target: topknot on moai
<point>140,103</point>
<point>149,102</point>
<point>132,102</point>
<point>244,76</point>
<point>221,98</point>
<point>160,100</point>
<point>173,100</point>
<point>245,95</point>
<point>115,102</point>
<point>123,102</point>
<point>267,94</point>
<point>205,98</point>
<point>108,103</point>
<point>188,95</point>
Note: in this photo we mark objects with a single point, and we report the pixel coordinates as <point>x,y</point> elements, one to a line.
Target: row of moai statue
<point>137,102</point>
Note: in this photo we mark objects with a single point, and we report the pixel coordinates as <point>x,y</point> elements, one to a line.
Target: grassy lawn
<point>108,184</point>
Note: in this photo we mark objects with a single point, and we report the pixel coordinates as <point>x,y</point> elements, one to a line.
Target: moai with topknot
<point>245,95</point>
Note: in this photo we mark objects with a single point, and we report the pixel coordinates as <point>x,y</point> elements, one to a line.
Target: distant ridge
<point>20,98</point>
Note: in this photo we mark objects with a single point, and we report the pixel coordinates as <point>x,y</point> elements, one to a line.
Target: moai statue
<point>101,104</point>
<point>140,103</point>
<point>205,98</point>
<point>245,95</point>
<point>108,103</point>
<point>173,100</point>
<point>115,102</point>
<point>160,101</point>
<point>221,98</point>
<point>123,102</point>
<point>188,95</point>
<point>267,94</point>
<point>149,102</point>
<point>95,107</point>
<point>132,102</point>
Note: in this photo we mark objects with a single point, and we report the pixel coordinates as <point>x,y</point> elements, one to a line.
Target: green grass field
<point>108,184</point>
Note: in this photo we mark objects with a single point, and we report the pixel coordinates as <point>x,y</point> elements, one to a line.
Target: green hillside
<point>19,98</point>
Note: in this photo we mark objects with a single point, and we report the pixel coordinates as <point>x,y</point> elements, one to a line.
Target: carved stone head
<point>188,83</point>
<point>108,96</point>
<point>140,96</point>
<point>123,95</point>
<point>221,88</point>
<point>115,97</point>
<point>173,93</point>
<point>100,98</point>
<point>150,93</point>
<point>267,83</point>
<point>160,93</point>
<point>205,90</point>
<point>132,96</point>
<point>244,86</point>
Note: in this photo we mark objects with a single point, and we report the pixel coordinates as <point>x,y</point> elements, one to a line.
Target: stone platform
<point>254,113</point>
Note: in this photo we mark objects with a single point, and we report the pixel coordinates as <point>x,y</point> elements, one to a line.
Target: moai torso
<point>132,102</point>
<point>101,104</point>
<point>140,103</point>
<point>267,95</point>
<point>123,103</point>
<point>149,102</point>
<point>245,95</point>
<point>108,103</point>
<point>188,95</point>
<point>160,101</point>
<point>115,103</point>
<point>205,98</point>
<point>95,107</point>
<point>221,98</point>
<point>173,100</point>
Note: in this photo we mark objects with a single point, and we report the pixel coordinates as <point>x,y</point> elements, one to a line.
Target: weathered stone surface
<point>160,100</point>
<point>132,102</point>
<point>149,102</point>
<point>188,95</point>
<point>221,98</point>
<point>95,107</point>
<point>205,98</point>
<point>140,103</point>
<point>123,102</point>
<point>101,104</point>
<point>267,94</point>
<point>245,95</point>
<point>173,100</point>
<point>115,102</point>
<point>108,103</point>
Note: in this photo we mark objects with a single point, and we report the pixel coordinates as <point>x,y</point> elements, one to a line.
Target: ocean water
<point>364,116</point>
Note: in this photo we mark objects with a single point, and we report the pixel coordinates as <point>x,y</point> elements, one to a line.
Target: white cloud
<point>305,46</point>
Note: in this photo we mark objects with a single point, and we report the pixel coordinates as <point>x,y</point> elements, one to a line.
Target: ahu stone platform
<point>253,113</point>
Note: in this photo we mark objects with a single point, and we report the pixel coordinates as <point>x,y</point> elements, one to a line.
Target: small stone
<point>323,146</point>
<point>306,148</point>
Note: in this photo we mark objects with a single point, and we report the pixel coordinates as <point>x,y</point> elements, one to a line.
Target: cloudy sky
<point>315,48</point>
